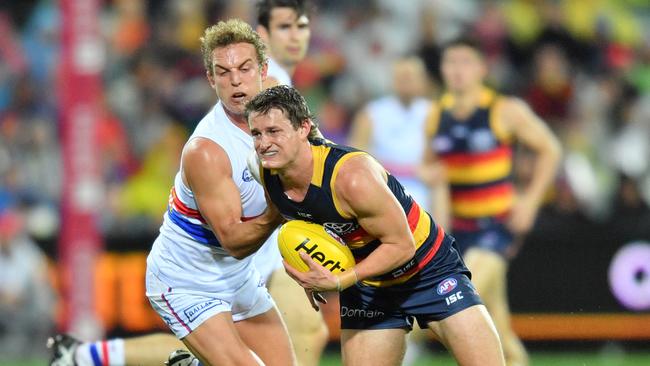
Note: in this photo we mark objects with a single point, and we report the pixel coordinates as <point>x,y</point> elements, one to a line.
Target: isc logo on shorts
<point>447,286</point>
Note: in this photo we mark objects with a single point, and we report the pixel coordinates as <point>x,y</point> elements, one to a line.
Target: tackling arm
<point>207,171</point>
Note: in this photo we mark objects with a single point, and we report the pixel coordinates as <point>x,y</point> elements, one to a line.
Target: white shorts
<point>267,259</point>
<point>183,311</point>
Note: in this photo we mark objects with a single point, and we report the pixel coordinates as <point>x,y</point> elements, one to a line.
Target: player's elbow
<point>235,252</point>
<point>407,251</point>
<point>234,247</point>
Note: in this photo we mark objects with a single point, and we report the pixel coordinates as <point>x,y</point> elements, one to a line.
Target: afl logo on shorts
<point>447,286</point>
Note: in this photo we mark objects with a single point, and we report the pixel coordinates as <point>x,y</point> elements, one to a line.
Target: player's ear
<point>211,80</point>
<point>305,127</point>
<point>264,69</point>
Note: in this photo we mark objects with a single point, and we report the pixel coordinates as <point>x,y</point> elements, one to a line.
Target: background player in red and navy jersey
<point>468,160</point>
<point>407,268</point>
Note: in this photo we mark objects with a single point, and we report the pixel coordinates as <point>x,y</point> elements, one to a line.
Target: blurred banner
<point>80,92</point>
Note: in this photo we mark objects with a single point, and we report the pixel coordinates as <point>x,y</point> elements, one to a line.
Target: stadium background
<point>97,97</point>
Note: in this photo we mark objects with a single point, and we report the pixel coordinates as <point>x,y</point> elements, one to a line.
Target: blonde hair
<point>226,33</point>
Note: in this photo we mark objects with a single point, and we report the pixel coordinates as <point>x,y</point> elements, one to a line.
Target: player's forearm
<point>546,166</point>
<point>244,238</point>
<point>385,258</point>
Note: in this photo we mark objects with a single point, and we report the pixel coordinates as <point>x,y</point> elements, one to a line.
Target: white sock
<point>102,353</point>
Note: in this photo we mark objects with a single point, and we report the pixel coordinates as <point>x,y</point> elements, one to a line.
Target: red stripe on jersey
<point>182,208</point>
<point>501,189</point>
<point>413,216</point>
<point>430,254</point>
<point>105,359</point>
<point>460,159</point>
<point>354,236</point>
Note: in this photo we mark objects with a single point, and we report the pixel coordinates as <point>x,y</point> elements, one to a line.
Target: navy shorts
<point>438,291</point>
<point>492,235</point>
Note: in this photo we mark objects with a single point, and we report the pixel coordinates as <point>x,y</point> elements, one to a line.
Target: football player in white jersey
<point>284,27</point>
<point>200,275</point>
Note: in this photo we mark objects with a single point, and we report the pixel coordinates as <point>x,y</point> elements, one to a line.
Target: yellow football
<point>322,245</point>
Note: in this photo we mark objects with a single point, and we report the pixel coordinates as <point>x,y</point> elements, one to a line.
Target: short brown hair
<point>226,33</point>
<point>287,99</point>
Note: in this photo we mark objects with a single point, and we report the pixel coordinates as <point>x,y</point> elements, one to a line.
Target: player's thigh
<point>471,337</point>
<point>217,342</point>
<point>377,347</point>
<point>488,268</point>
<point>294,307</point>
<point>266,335</point>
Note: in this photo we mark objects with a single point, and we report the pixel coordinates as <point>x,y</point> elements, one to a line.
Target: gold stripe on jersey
<point>335,173</point>
<point>433,120</point>
<point>489,206</point>
<point>479,173</point>
<point>496,124</point>
<point>319,153</point>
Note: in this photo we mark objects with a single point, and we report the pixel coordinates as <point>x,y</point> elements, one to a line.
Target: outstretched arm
<point>207,171</point>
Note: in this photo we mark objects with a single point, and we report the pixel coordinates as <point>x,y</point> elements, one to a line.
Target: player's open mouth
<point>238,97</point>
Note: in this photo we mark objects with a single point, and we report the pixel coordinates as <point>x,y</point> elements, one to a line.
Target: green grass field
<point>439,359</point>
<point>538,359</point>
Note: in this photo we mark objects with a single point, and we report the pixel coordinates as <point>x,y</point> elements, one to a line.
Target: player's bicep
<point>207,170</point>
<point>363,191</point>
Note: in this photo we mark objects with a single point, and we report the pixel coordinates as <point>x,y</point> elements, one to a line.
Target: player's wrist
<point>346,279</point>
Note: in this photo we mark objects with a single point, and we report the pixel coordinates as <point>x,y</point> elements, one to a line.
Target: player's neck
<point>238,120</point>
<point>467,100</point>
<point>405,101</point>
<point>289,68</point>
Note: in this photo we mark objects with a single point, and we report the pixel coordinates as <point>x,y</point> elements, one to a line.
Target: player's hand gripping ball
<point>322,245</point>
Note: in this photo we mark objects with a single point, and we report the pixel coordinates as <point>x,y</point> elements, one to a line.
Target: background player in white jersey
<point>390,127</point>
<point>200,277</point>
<point>284,27</point>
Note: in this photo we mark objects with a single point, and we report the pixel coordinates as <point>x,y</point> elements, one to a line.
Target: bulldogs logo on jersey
<point>246,176</point>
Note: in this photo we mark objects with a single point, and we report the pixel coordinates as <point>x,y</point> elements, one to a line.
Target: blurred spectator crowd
<point>583,65</point>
